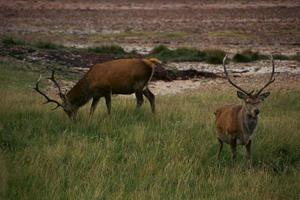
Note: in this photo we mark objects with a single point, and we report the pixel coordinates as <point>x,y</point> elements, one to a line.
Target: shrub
<point>12,41</point>
<point>248,56</point>
<point>214,56</point>
<point>159,49</point>
<point>48,45</point>
<point>280,57</point>
<point>178,55</point>
<point>296,57</point>
<point>110,49</point>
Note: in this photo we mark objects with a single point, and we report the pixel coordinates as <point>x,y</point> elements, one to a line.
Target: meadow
<point>133,154</point>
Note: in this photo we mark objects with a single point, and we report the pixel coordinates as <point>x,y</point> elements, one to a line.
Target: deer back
<point>121,76</point>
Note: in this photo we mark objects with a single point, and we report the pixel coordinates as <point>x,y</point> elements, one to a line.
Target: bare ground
<point>230,25</point>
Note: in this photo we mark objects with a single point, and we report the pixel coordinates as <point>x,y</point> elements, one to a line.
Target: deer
<point>235,124</point>
<point>122,76</point>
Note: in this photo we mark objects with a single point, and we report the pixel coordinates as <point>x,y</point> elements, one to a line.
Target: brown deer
<point>235,124</point>
<point>123,76</point>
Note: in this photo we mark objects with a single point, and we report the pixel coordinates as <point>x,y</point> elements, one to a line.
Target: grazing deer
<point>235,124</point>
<point>123,76</point>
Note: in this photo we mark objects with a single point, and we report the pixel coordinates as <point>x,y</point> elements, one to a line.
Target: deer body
<point>123,76</point>
<point>232,122</point>
<point>235,124</point>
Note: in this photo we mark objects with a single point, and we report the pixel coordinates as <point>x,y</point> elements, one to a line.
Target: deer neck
<point>248,123</point>
<point>79,94</point>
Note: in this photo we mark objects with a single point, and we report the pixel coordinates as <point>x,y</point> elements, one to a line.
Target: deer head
<point>251,99</point>
<point>69,109</point>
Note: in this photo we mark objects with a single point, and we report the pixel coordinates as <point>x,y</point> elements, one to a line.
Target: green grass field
<point>133,154</point>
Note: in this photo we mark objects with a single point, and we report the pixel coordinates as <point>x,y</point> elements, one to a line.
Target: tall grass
<point>11,41</point>
<point>178,55</point>
<point>110,49</point>
<point>133,154</point>
<point>212,56</point>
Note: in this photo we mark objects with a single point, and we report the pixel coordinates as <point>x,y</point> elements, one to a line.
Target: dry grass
<point>135,155</point>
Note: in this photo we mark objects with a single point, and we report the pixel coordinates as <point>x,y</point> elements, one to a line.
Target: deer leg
<point>108,102</point>
<point>248,151</point>
<point>233,149</point>
<point>139,99</point>
<point>220,148</point>
<point>94,105</point>
<point>150,96</point>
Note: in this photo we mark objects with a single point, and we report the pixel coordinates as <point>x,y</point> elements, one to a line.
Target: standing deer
<point>235,124</point>
<point>123,76</point>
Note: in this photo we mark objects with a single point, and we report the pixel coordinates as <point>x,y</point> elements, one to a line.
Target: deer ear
<point>241,95</point>
<point>264,95</point>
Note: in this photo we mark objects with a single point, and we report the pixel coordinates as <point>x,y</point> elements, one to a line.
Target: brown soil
<point>268,25</point>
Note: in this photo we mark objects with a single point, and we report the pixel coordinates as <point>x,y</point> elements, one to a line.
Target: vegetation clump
<point>280,57</point>
<point>48,45</point>
<point>248,56</point>
<point>162,52</point>
<point>10,41</point>
<point>177,55</point>
<point>296,57</point>
<point>214,56</point>
<point>108,49</point>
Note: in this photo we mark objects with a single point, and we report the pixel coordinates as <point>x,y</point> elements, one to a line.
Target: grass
<point>178,55</point>
<point>111,49</point>
<point>232,34</point>
<point>214,56</point>
<point>48,45</point>
<point>11,41</point>
<point>135,155</point>
<point>296,57</point>
<point>162,52</point>
<point>249,56</point>
<point>141,35</point>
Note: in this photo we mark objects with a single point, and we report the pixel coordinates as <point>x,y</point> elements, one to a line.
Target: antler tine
<point>44,95</point>
<point>271,80</point>
<point>57,85</point>
<point>229,80</point>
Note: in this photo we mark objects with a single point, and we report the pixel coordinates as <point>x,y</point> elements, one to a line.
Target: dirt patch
<point>271,26</point>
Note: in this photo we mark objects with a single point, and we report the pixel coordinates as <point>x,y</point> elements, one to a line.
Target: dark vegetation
<point>248,56</point>
<point>177,55</point>
<point>211,56</point>
<point>112,49</point>
<point>12,41</point>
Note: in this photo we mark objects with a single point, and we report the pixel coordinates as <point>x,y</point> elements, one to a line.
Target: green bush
<point>296,57</point>
<point>248,56</point>
<point>160,49</point>
<point>214,56</point>
<point>48,45</point>
<point>9,41</point>
<point>280,57</point>
<point>178,55</point>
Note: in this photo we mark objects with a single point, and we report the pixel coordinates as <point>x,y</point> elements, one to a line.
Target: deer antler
<point>57,85</point>
<point>44,95</point>
<point>229,80</point>
<point>271,80</point>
